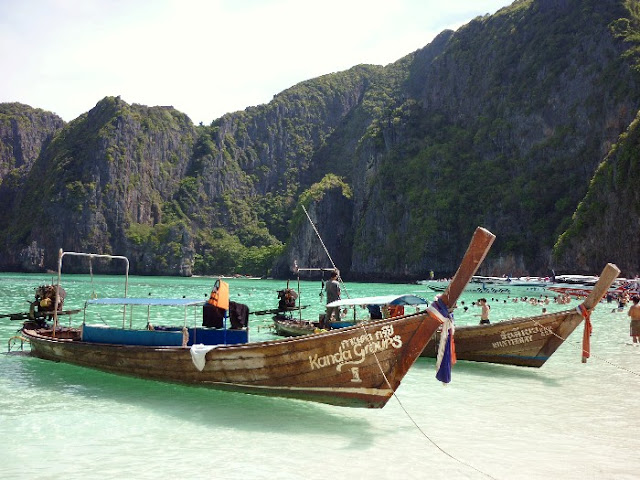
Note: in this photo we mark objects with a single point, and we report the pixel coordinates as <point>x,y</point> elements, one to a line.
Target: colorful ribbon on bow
<point>586,335</point>
<point>446,348</point>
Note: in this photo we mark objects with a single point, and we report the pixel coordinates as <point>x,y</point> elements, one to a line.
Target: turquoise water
<point>566,420</point>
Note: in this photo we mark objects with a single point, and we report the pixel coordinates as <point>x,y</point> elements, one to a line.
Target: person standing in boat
<point>332,287</point>
<point>484,314</point>
<point>634,313</point>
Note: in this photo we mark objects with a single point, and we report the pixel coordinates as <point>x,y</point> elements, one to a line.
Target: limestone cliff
<point>24,133</point>
<point>502,123</point>
<point>608,218</point>
<point>104,172</point>
<point>325,243</point>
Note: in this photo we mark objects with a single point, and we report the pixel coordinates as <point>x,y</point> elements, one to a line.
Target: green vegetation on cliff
<point>502,123</point>
<point>505,130</point>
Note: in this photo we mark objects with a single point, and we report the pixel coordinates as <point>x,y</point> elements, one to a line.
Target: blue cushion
<point>119,336</point>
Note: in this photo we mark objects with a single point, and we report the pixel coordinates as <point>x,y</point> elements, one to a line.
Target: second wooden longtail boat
<point>529,341</point>
<point>377,307</point>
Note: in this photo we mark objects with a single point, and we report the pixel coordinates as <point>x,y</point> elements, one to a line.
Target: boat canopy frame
<point>123,301</point>
<point>90,256</point>
<point>406,299</point>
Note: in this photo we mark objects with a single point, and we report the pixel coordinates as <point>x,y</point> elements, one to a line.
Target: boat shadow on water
<point>491,370</point>
<point>200,405</point>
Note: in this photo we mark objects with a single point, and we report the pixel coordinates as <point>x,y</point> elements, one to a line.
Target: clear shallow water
<point>566,420</point>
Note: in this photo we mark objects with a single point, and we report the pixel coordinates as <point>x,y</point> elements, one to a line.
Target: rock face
<point>608,219</point>
<point>503,126</point>
<point>503,123</point>
<point>109,169</point>
<point>331,218</point>
<point>24,133</point>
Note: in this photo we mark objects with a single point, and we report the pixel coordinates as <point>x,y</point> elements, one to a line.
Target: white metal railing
<point>91,256</point>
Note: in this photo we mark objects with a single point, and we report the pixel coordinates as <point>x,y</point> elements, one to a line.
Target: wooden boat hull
<point>527,342</point>
<point>286,327</point>
<point>358,366</point>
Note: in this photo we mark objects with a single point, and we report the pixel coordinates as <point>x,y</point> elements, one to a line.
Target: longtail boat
<point>359,366</point>
<point>377,307</point>
<point>620,287</point>
<point>285,324</point>
<point>529,341</point>
<point>572,291</point>
<point>288,326</point>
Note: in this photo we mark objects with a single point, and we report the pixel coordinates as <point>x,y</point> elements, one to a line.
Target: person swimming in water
<point>484,314</point>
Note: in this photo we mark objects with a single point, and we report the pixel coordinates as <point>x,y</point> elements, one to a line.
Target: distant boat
<point>359,366</point>
<point>619,287</point>
<point>526,341</point>
<point>379,307</point>
<point>576,279</point>
<point>496,285</point>
<point>288,321</point>
<point>286,325</point>
<point>575,291</point>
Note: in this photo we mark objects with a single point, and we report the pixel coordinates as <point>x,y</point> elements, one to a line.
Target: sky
<point>204,57</point>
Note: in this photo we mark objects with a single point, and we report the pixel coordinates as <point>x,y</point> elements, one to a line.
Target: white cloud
<point>205,58</point>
